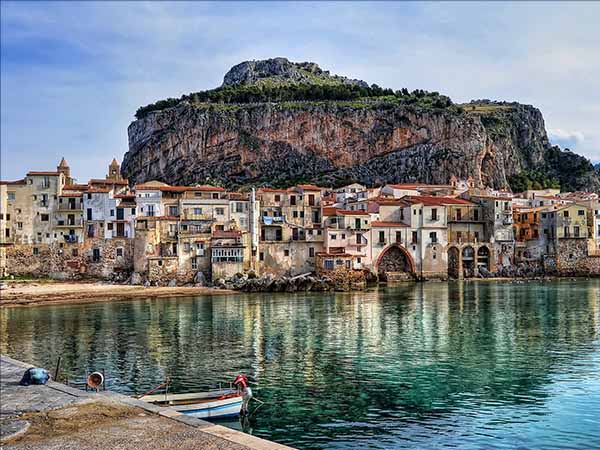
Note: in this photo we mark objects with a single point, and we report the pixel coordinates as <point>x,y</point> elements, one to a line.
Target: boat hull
<point>207,405</point>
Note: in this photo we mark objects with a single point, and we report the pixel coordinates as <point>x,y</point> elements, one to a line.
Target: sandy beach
<point>42,292</point>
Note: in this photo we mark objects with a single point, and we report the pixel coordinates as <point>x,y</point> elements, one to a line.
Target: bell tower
<point>114,170</point>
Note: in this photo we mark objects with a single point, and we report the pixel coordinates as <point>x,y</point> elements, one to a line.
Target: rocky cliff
<point>277,123</point>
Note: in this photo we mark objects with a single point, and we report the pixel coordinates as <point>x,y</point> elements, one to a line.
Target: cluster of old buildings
<point>53,226</point>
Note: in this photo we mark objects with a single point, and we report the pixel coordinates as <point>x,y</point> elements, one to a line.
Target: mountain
<point>276,123</point>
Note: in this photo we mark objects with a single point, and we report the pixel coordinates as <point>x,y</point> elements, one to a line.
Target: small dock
<point>56,416</point>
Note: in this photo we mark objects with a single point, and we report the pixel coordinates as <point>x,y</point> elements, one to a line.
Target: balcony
<point>70,207</point>
<point>77,223</point>
<point>463,238</point>
<point>71,238</point>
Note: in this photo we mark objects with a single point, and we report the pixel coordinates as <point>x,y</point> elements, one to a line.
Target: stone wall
<point>572,258</point>
<point>64,261</point>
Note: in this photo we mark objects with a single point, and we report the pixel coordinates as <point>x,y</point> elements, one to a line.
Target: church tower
<point>114,171</point>
<point>64,168</point>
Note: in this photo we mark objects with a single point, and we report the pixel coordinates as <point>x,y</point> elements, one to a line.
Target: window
<point>261,256</point>
<point>433,237</point>
<point>382,237</point>
<point>109,226</point>
<point>239,207</point>
<point>292,200</point>
<point>311,252</point>
<point>476,214</point>
<point>277,197</point>
<point>112,212</point>
<point>173,211</point>
<point>45,217</point>
<point>295,214</point>
<point>186,246</point>
<point>415,237</point>
<point>194,264</point>
<point>477,235</point>
<point>543,215</point>
<point>566,231</point>
<point>434,215</point>
<point>219,211</point>
<point>343,235</point>
<point>328,264</point>
<point>215,196</point>
<point>19,225</point>
<point>286,253</point>
<point>7,232</point>
<point>311,199</point>
<point>197,194</point>
<point>576,232</point>
<point>398,236</point>
<point>133,211</point>
<point>119,252</point>
<point>11,196</point>
<point>95,254</point>
<point>36,251</point>
<point>359,260</point>
<point>581,212</point>
<point>458,214</point>
<point>150,211</point>
<point>565,213</point>
<point>74,252</point>
<point>89,214</point>
<point>333,237</point>
<point>89,196</point>
<point>197,211</point>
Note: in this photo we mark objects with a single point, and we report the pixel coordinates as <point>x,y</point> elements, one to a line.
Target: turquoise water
<point>480,365</point>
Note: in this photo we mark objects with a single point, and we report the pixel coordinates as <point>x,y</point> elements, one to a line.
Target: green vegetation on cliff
<point>302,92</point>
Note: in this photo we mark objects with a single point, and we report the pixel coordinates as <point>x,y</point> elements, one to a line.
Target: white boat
<point>204,405</point>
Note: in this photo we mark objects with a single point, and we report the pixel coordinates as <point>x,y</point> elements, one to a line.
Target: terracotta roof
<point>309,187</point>
<point>330,211</point>
<point>383,224</point>
<point>13,182</point>
<point>108,181</point>
<point>388,201</point>
<point>98,190</point>
<point>345,212</point>
<point>277,191</point>
<point>71,194</point>
<point>437,201</point>
<point>48,174</point>
<point>226,234</point>
<point>125,196</point>
<point>75,187</point>
<point>207,187</point>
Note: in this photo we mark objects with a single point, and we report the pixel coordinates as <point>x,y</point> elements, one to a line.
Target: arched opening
<point>453,263</point>
<point>483,258</point>
<point>468,262</point>
<point>395,263</point>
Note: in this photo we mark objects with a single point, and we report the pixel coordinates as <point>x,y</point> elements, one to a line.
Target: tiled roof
<point>309,187</point>
<point>437,201</point>
<point>383,224</point>
<point>13,182</point>
<point>345,212</point>
<point>108,181</point>
<point>75,187</point>
<point>47,174</point>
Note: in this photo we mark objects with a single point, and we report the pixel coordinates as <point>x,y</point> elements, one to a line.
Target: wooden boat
<point>204,405</point>
<point>215,404</point>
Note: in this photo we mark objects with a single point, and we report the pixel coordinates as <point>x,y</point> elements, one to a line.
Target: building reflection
<point>397,353</point>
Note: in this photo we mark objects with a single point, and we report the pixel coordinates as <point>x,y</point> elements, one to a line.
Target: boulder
<point>172,283</point>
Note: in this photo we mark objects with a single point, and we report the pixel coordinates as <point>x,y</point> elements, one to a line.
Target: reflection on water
<point>462,365</point>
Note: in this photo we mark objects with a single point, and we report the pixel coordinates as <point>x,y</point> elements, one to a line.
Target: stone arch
<point>483,257</point>
<point>454,266</point>
<point>468,261</point>
<point>395,259</point>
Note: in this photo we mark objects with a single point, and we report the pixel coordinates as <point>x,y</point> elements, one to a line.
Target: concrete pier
<point>55,416</point>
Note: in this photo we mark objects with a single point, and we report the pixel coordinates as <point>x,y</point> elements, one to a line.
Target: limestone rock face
<point>327,143</point>
<point>275,122</point>
<point>250,72</point>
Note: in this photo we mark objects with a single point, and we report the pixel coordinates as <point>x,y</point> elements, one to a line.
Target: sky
<point>73,75</point>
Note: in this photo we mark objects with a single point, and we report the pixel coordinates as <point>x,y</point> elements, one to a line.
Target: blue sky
<point>73,75</point>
